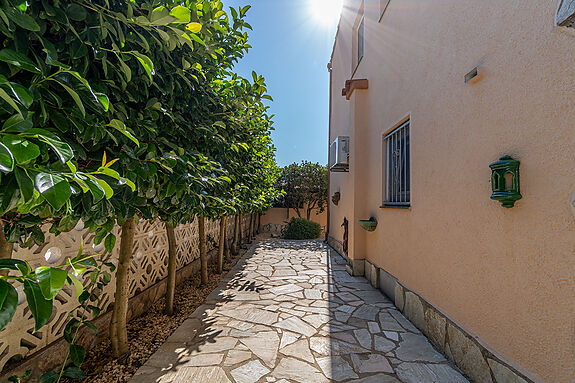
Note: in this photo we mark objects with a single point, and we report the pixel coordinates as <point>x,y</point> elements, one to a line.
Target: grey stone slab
<point>382,344</point>
<point>265,345</point>
<point>300,350</point>
<point>336,368</point>
<point>368,363</point>
<point>302,372</point>
<point>250,372</point>
<point>366,312</point>
<point>428,373</point>
<point>414,347</point>
<point>296,325</point>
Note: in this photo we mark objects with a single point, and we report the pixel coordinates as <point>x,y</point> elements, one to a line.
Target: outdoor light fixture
<point>505,181</point>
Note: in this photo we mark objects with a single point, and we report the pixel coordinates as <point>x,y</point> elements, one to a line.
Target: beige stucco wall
<point>507,275</point>
<point>281,216</point>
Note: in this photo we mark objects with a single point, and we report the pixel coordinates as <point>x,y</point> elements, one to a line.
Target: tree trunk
<point>259,223</point>
<point>118,330</point>
<point>308,214</point>
<point>221,249</point>
<point>226,242</point>
<point>172,269</point>
<point>203,250</point>
<point>235,237</point>
<point>6,249</point>
<point>241,231</point>
<point>250,225</point>
<point>254,225</point>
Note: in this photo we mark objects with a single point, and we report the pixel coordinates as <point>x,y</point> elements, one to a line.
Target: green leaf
<point>40,308</point>
<point>109,172</point>
<point>22,149</point>
<point>119,125</point>
<point>13,264</point>
<point>130,184</point>
<point>8,303</point>
<point>51,280</point>
<point>22,20</point>
<point>181,13</point>
<point>97,191</point>
<point>77,354</point>
<point>55,189</point>
<point>194,27</point>
<point>74,372</point>
<point>75,96</point>
<point>49,377</point>
<point>6,159</point>
<point>103,100</point>
<point>18,60</point>
<point>25,183</point>
<point>62,149</point>
<point>146,63</point>
<point>17,123</point>
<point>107,189</point>
<point>77,285</point>
<point>6,97</point>
<point>110,242</point>
<point>21,94</point>
<point>76,12</point>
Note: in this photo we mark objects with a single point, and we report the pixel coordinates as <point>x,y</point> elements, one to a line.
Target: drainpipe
<point>329,68</point>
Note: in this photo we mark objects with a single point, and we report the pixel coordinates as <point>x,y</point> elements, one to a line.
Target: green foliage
<point>305,187</point>
<point>300,228</point>
<point>151,82</point>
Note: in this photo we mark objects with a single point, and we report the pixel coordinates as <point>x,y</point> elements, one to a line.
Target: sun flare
<point>326,12</point>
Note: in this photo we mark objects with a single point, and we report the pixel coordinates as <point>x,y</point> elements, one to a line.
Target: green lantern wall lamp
<point>505,181</point>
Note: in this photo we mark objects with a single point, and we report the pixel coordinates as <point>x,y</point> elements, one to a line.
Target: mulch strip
<point>149,331</point>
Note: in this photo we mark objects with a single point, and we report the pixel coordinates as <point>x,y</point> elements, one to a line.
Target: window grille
<point>397,167</point>
<point>360,40</point>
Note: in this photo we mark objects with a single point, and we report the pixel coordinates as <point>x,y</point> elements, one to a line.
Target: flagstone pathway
<point>289,312</point>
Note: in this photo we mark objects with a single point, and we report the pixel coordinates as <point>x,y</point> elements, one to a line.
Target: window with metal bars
<point>397,167</point>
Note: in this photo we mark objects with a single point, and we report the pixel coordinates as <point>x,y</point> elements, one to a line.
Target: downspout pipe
<point>329,68</point>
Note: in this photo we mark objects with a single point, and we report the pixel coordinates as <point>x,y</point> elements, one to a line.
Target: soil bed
<point>149,331</point>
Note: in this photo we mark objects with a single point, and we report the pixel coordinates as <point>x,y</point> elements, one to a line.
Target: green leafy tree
<point>305,186</point>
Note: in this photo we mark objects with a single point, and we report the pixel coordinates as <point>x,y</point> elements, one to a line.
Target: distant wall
<point>275,219</point>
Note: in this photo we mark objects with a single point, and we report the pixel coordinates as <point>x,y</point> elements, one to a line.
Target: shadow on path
<point>289,312</point>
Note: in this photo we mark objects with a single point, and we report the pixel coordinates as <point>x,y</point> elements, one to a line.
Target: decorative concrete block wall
<point>148,271</point>
<point>566,13</point>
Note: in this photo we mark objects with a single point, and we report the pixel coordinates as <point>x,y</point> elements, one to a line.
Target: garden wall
<point>22,348</point>
<point>275,219</point>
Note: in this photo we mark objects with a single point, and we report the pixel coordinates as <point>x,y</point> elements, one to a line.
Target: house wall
<point>505,275</point>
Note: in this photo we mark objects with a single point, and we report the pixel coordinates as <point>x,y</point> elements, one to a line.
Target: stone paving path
<point>289,312</point>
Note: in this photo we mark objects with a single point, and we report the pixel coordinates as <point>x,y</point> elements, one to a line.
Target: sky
<point>291,46</point>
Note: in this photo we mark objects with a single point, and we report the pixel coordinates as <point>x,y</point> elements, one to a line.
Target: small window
<point>360,40</point>
<point>382,7</point>
<point>397,167</point>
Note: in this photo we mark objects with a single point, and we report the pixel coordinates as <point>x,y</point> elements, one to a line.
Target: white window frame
<point>397,166</point>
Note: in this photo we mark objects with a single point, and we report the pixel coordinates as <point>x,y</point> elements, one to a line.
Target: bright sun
<point>326,11</point>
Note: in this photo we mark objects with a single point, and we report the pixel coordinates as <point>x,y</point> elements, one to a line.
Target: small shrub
<point>300,228</point>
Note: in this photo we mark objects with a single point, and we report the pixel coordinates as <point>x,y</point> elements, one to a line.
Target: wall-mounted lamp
<point>335,198</point>
<point>505,181</point>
